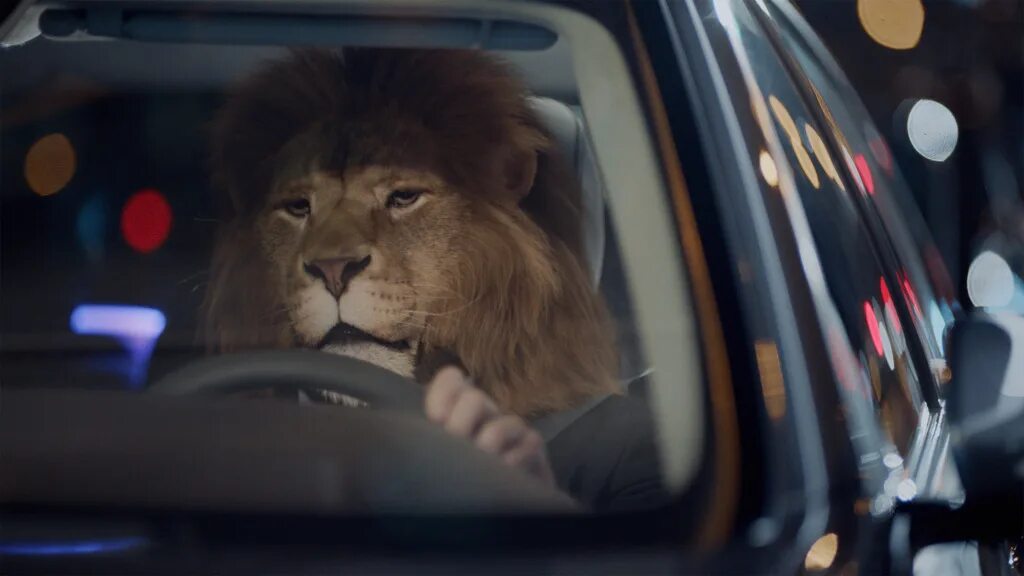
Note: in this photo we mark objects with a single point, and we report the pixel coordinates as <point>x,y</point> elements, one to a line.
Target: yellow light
<point>822,553</point>
<point>50,164</point>
<point>769,171</point>
<point>793,135</point>
<point>770,369</point>
<point>824,158</point>
<point>895,24</point>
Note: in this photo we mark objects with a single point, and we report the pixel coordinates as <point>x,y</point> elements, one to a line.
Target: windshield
<point>437,215</point>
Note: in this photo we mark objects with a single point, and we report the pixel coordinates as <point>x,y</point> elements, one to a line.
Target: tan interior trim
<point>721,514</point>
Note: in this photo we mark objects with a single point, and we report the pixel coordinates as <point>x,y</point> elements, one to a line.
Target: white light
<point>887,351</point>
<point>892,460</point>
<point>990,281</point>
<point>932,129</point>
<point>938,325</point>
<point>906,490</point>
<point>881,504</point>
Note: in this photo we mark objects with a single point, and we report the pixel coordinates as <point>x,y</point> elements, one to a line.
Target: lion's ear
<point>519,171</point>
<point>517,158</point>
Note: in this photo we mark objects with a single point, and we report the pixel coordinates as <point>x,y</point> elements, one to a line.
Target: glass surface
<point>926,290</point>
<point>852,269</point>
<point>110,214</point>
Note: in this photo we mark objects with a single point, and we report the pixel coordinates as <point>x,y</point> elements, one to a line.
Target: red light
<point>912,297</point>
<point>886,296</point>
<point>865,173</point>
<point>872,322</point>
<point>890,306</point>
<point>146,220</point>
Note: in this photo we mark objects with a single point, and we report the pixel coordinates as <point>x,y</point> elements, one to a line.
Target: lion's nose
<point>336,272</point>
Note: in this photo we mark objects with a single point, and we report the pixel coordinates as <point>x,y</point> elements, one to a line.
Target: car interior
<point>101,276</point>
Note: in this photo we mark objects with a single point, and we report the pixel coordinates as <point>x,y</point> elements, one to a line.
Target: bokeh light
<point>788,125</point>
<point>871,319</point>
<point>137,328</point>
<point>865,173</point>
<point>50,164</point>
<point>824,158</point>
<point>895,24</point>
<point>990,281</point>
<point>769,171</point>
<point>822,553</point>
<point>932,129</point>
<point>770,369</point>
<point>118,320</point>
<point>906,490</point>
<point>889,305</point>
<point>146,220</point>
<point>888,351</point>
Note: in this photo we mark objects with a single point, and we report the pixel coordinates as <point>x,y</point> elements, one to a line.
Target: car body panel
<point>822,466</point>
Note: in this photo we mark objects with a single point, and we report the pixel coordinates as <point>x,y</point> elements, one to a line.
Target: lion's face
<point>362,257</point>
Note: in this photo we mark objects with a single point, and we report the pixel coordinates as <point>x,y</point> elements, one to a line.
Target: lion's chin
<point>398,361</point>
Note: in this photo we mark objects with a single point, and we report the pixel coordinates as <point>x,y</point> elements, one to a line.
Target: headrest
<point>566,126</point>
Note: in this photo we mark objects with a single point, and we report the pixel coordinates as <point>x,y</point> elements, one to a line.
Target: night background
<point>968,56</point>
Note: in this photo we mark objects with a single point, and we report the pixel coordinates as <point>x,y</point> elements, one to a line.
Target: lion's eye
<point>403,198</point>
<point>299,207</point>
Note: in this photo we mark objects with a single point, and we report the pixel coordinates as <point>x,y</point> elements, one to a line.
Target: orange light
<point>895,24</point>
<point>770,369</point>
<point>822,553</point>
<point>793,135</point>
<point>824,158</point>
<point>50,164</point>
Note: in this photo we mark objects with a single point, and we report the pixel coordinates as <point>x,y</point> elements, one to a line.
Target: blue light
<point>130,322</point>
<point>136,327</point>
<point>72,548</point>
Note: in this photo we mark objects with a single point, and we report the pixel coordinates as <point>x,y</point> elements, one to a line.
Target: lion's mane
<point>527,325</point>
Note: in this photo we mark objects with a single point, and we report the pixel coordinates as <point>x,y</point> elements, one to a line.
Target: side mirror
<point>985,412</point>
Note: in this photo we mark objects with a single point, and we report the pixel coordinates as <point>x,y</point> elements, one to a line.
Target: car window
<point>925,289</point>
<point>850,263</point>
<point>198,186</point>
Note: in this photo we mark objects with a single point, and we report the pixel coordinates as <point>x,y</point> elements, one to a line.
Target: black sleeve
<point>608,458</point>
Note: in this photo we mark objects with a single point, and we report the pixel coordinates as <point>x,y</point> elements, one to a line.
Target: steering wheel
<point>388,460</point>
<point>294,370</point>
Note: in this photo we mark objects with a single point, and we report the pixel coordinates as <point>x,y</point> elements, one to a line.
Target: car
<point>804,356</point>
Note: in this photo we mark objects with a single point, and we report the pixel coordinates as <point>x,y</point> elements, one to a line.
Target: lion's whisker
<point>277,311</point>
<point>193,276</point>
<point>450,311</point>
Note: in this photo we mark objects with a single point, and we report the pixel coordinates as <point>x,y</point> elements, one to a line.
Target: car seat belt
<point>551,425</point>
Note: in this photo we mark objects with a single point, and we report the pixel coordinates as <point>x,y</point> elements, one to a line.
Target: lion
<point>393,205</point>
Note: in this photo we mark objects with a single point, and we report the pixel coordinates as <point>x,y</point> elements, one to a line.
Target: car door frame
<point>716,59</point>
<point>774,292</point>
